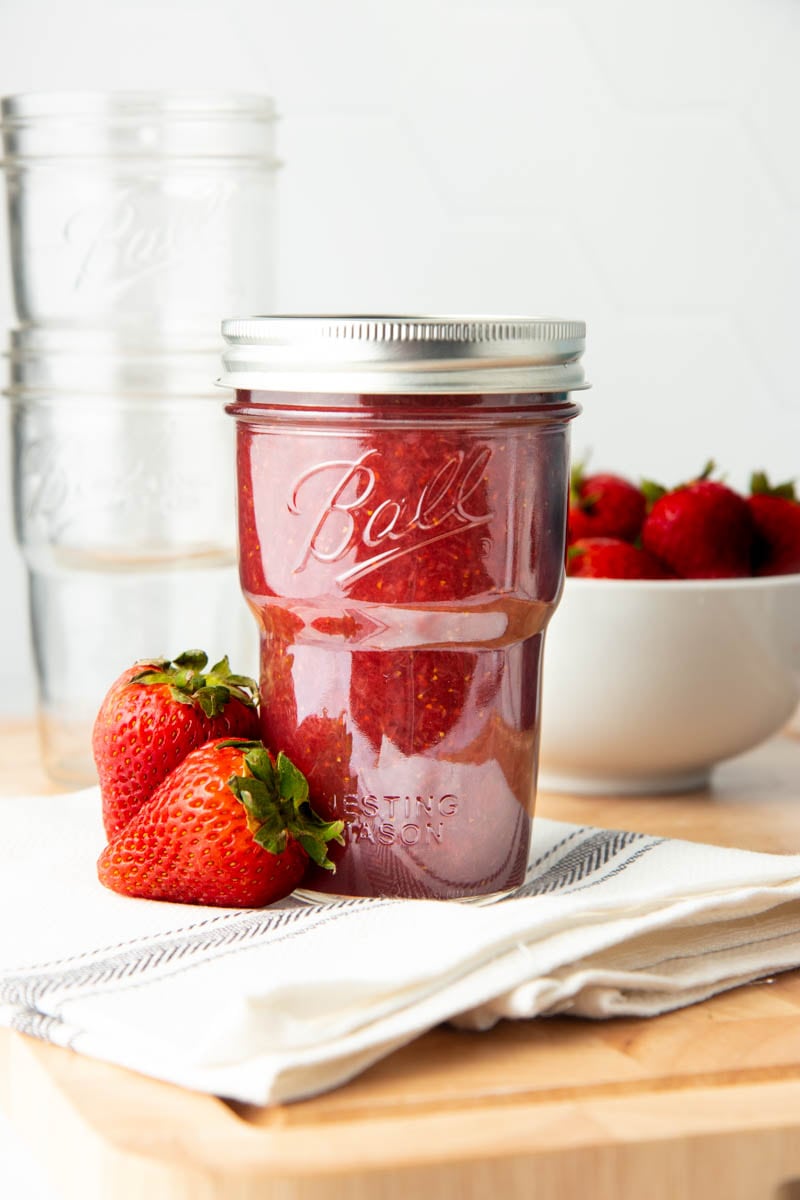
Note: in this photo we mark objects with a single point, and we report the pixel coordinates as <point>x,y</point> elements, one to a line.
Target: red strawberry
<point>323,747</point>
<point>604,505</point>
<point>423,695</point>
<point>702,529</point>
<point>611,558</point>
<point>228,827</point>
<point>154,715</point>
<point>776,519</point>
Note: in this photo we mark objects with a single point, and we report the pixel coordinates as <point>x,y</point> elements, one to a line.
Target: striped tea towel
<point>272,1005</point>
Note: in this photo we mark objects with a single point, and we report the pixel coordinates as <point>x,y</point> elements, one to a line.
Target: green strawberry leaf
<point>212,700</point>
<point>761,486</point>
<point>148,676</point>
<point>651,491</point>
<point>275,798</point>
<point>195,660</point>
<point>272,834</point>
<point>223,667</point>
<point>180,695</point>
<point>153,664</point>
<point>260,764</point>
<point>576,477</point>
<point>292,783</point>
<point>315,844</point>
<point>189,684</point>
<point>241,681</point>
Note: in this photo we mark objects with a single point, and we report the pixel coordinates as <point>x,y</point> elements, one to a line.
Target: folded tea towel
<point>275,1004</point>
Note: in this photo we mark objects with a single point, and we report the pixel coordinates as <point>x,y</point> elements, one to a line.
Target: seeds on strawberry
<point>154,715</point>
<point>229,827</point>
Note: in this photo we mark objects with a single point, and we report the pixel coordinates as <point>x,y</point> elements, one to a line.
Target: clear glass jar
<point>402,491</point>
<point>124,503</point>
<point>153,209</point>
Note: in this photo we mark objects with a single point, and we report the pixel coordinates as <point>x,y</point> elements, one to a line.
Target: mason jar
<point>402,490</point>
<point>124,506</point>
<point>147,209</point>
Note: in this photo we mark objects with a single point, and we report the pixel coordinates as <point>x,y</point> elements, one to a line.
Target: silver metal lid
<point>396,354</point>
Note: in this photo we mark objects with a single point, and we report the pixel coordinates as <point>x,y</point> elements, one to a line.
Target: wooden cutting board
<point>701,1103</point>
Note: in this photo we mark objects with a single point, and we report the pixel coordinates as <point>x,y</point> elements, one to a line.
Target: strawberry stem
<point>275,798</point>
<point>189,683</point>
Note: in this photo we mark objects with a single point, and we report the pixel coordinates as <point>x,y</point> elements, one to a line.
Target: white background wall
<point>633,163</point>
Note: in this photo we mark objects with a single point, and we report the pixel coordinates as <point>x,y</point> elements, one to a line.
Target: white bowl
<point>649,683</point>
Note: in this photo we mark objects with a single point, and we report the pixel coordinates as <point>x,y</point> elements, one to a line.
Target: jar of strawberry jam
<point>402,490</point>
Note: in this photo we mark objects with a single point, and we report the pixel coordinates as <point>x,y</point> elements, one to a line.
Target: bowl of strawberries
<point>676,644</point>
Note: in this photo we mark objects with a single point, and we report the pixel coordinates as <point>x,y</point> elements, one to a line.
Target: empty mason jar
<point>402,491</point>
<point>148,209</point>
<point>124,501</point>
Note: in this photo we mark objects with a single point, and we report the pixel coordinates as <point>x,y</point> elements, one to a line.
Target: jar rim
<point>23,107</point>
<point>110,362</point>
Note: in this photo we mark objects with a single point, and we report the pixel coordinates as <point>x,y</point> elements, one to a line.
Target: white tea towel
<point>274,1004</point>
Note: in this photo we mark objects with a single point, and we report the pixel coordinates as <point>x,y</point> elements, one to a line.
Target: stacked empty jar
<point>135,220</point>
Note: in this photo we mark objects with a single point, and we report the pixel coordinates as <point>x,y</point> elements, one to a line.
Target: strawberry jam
<point>402,554</point>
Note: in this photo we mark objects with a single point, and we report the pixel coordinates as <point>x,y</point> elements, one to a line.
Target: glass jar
<point>153,210</point>
<point>402,492</point>
<point>124,505</point>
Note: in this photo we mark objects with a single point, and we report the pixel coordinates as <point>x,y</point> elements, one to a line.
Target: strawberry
<point>702,529</point>
<point>611,558</point>
<point>323,747</point>
<point>229,827</point>
<point>776,520</point>
<point>604,505</point>
<point>154,715</point>
<point>423,695</point>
